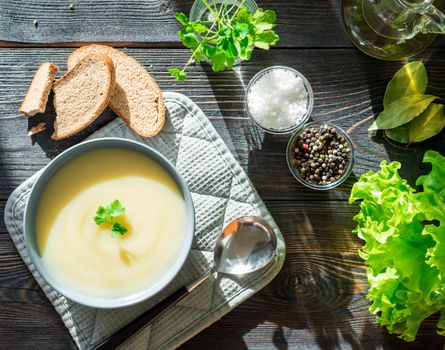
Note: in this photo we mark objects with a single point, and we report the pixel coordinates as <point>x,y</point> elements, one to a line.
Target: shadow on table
<point>311,296</point>
<point>314,290</point>
<point>51,147</point>
<point>320,279</point>
<point>6,179</point>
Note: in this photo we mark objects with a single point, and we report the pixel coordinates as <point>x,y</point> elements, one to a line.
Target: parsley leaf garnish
<point>108,215</point>
<point>101,215</point>
<point>116,209</point>
<point>118,230</point>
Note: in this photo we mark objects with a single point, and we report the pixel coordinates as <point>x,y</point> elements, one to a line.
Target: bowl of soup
<point>109,223</point>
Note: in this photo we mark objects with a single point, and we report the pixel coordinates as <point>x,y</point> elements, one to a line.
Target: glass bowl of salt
<point>279,99</point>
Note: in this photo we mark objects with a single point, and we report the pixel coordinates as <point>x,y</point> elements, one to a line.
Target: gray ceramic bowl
<point>30,215</point>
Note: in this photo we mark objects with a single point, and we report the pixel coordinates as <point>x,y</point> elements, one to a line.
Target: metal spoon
<point>246,244</point>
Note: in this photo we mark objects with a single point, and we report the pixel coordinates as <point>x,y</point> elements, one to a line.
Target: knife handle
<point>126,332</point>
<point>149,316</point>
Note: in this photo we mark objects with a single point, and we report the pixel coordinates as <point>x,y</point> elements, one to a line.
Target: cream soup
<point>83,255</point>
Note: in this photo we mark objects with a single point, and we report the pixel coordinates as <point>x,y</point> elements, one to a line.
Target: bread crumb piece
<point>36,129</point>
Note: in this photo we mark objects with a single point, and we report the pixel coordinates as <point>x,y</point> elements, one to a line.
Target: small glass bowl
<point>290,153</point>
<point>200,11</point>
<point>310,100</point>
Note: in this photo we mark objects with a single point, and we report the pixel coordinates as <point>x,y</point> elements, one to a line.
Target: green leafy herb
<point>101,216</point>
<point>433,200</point>
<point>116,209</point>
<point>227,37</point>
<point>108,215</point>
<point>179,74</point>
<point>182,18</point>
<point>411,79</point>
<point>404,251</point>
<point>428,124</point>
<point>402,111</point>
<point>118,230</point>
<point>409,116</point>
<point>399,134</point>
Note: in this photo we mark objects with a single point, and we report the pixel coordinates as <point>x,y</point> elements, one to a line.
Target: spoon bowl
<point>246,244</point>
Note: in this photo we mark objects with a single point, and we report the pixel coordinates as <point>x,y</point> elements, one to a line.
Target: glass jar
<point>200,12</point>
<point>384,29</point>
<point>299,121</point>
<point>296,173</point>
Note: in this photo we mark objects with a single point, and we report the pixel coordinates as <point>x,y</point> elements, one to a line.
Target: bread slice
<point>37,96</point>
<point>137,97</point>
<point>82,94</point>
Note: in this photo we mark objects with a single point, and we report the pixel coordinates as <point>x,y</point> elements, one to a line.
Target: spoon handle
<point>149,316</point>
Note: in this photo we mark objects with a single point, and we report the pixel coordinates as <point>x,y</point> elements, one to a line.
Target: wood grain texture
<point>348,91</point>
<point>141,23</point>
<point>300,23</point>
<point>26,322</point>
<point>318,299</point>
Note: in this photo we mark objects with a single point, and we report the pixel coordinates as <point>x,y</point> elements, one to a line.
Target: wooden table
<point>318,299</point>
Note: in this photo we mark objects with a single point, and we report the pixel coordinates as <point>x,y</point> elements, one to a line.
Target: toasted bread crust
<point>30,106</point>
<point>105,98</point>
<point>159,119</point>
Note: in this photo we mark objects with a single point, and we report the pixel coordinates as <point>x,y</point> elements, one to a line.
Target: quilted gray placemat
<point>221,192</point>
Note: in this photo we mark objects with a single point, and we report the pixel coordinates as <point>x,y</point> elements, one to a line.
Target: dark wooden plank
<point>301,23</point>
<point>13,271</point>
<point>317,300</point>
<point>142,23</point>
<point>2,212</point>
<point>30,323</point>
<point>348,91</point>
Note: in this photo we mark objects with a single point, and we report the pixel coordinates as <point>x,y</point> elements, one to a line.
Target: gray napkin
<point>221,192</point>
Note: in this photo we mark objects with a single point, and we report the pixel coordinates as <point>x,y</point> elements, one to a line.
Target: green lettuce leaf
<point>432,201</point>
<point>404,245</point>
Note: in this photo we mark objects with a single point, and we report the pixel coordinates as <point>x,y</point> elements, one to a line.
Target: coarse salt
<point>278,100</point>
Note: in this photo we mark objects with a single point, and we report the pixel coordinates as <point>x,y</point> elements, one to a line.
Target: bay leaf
<point>411,79</point>
<point>402,111</point>
<point>428,124</point>
<point>399,134</point>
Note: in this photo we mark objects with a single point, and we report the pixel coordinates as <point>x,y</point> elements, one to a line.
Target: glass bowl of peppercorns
<point>320,155</point>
